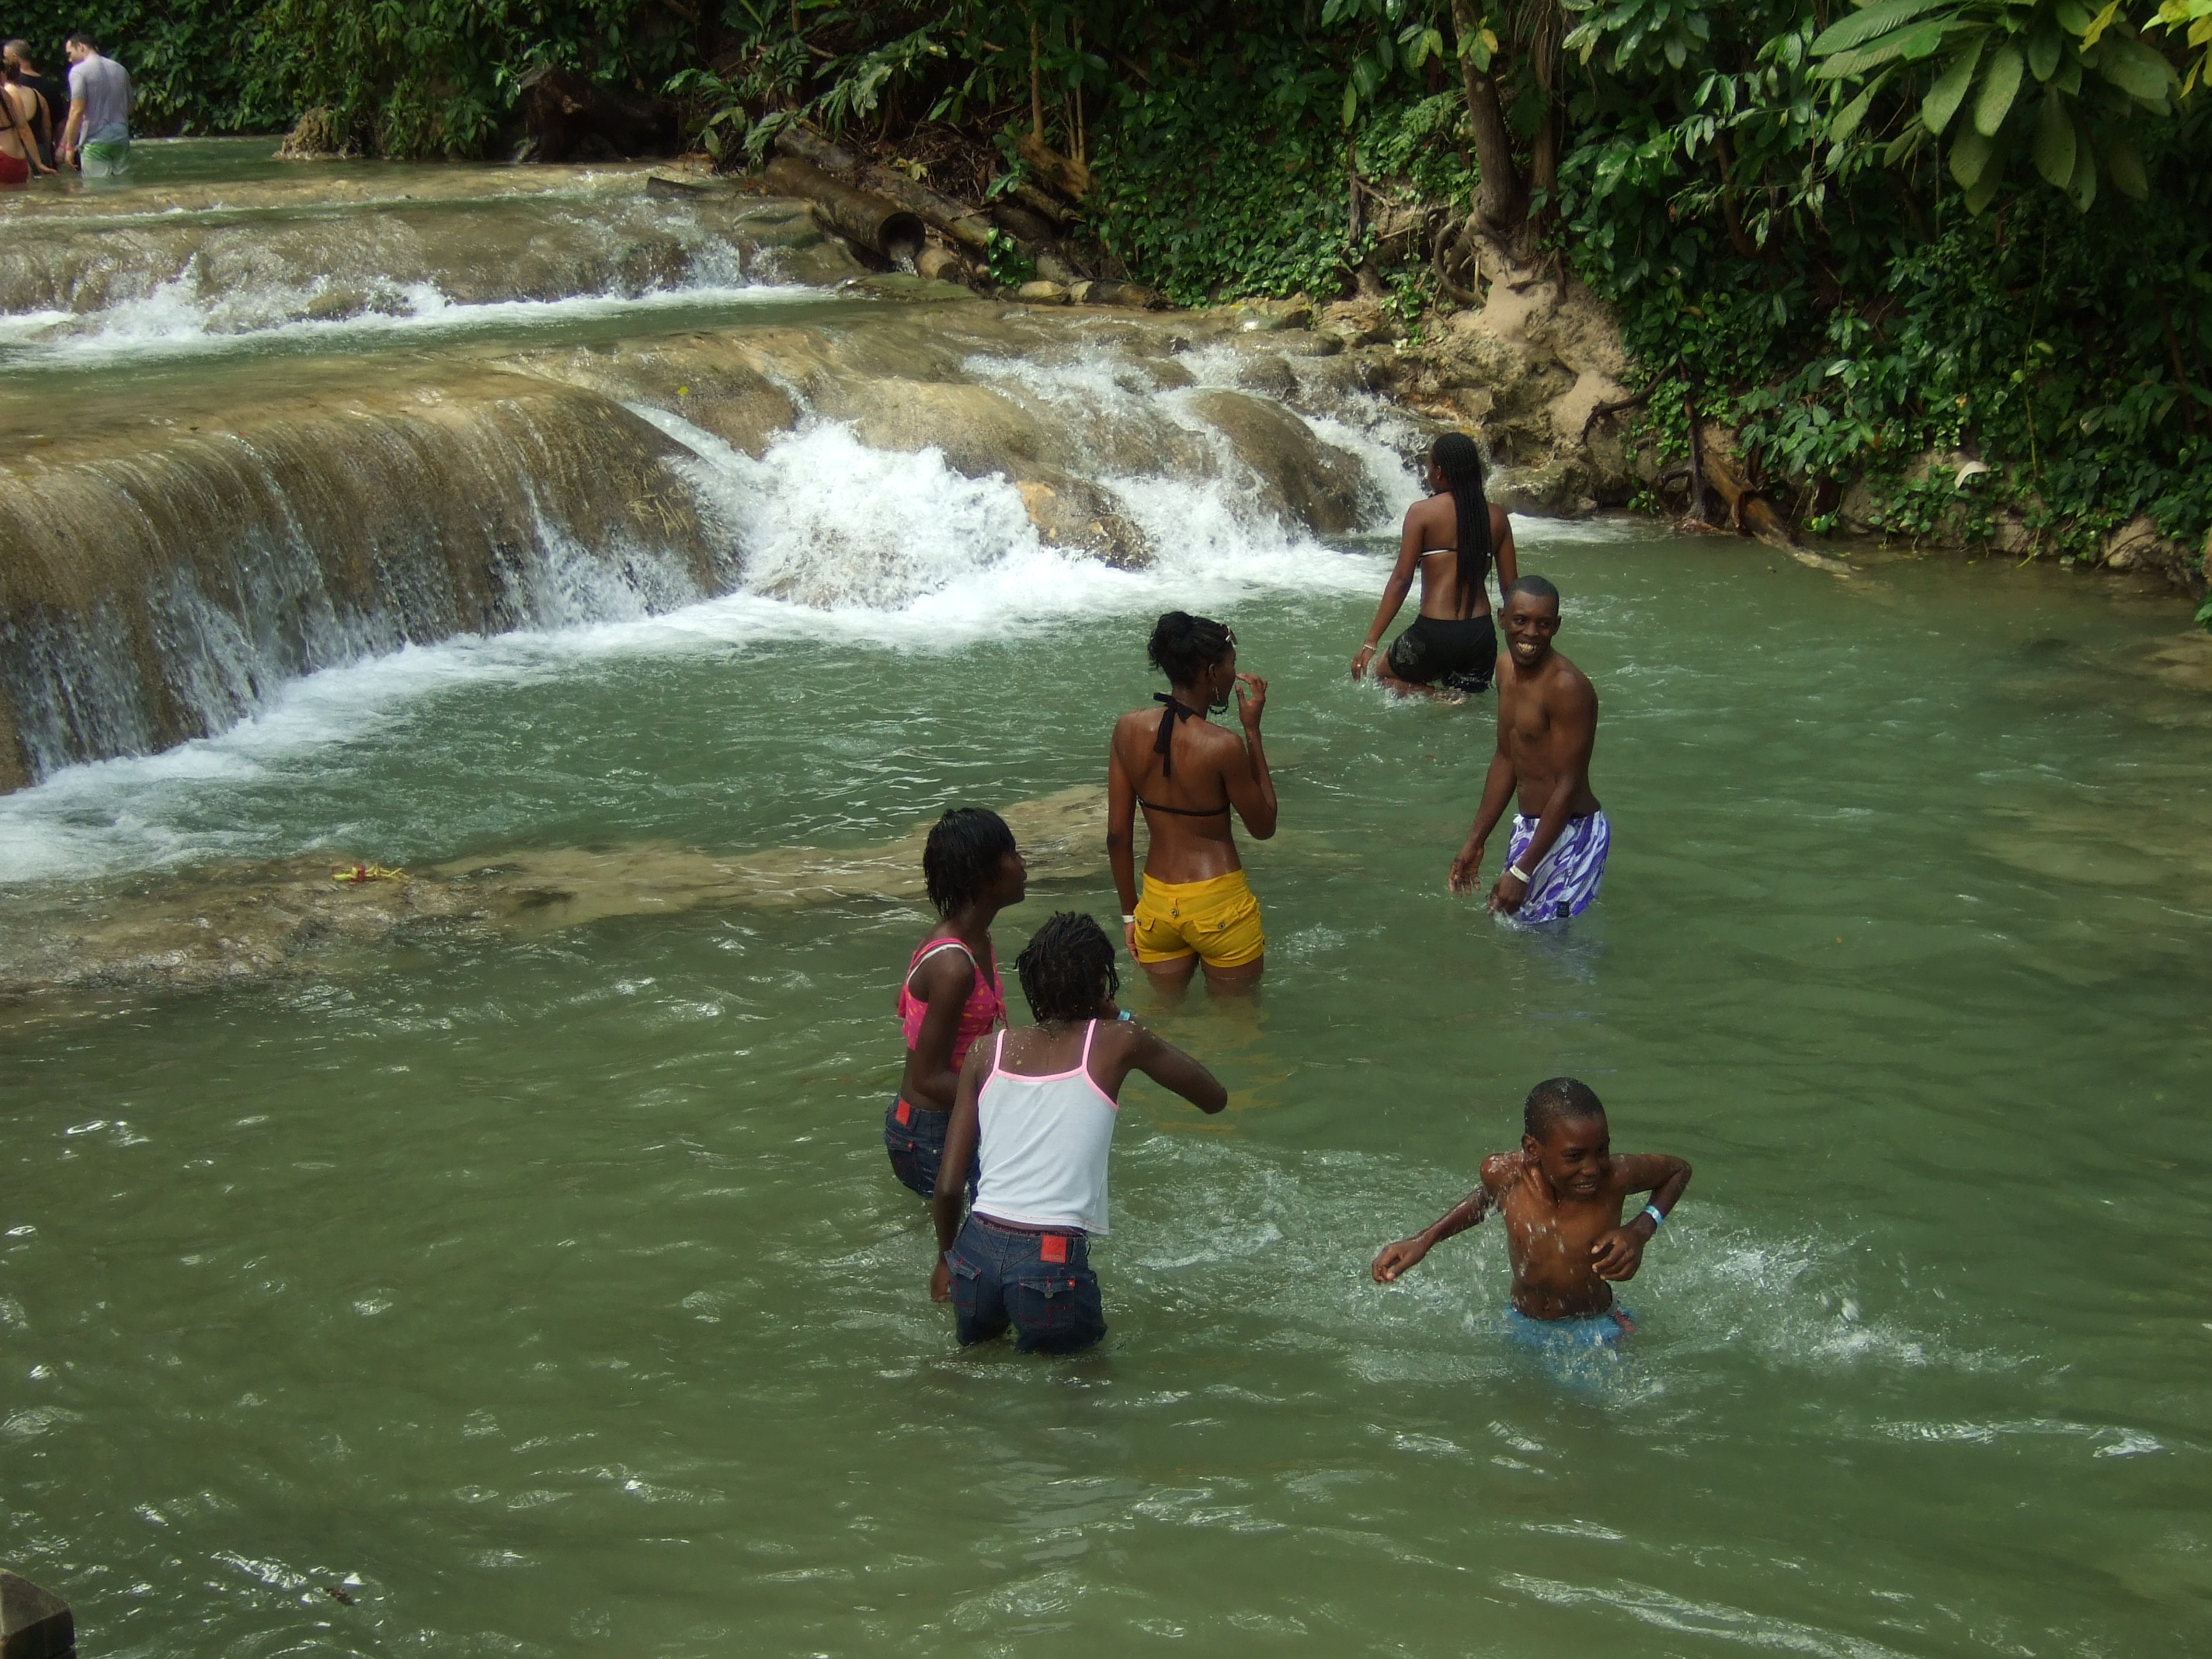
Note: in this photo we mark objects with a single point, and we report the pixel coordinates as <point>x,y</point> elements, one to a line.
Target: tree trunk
<point>1501,198</point>
<point>1544,160</point>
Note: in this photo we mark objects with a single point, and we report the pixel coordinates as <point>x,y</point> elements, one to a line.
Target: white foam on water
<point>176,320</point>
<point>837,543</point>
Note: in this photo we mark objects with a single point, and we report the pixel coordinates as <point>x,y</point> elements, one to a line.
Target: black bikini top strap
<point>1164,745</point>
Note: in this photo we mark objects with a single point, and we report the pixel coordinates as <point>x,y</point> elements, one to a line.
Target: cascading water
<point>173,556</point>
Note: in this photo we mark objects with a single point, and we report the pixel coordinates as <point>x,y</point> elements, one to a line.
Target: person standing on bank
<point>1037,1114</point>
<point>951,995</point>
<point>20,154</point>
<point>97,138</point>
<point>1188,774</point>
<point>1454,538</point>
<point>1547,730</point>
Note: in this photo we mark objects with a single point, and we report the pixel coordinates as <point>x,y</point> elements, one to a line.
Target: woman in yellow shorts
<point>1187,773</point>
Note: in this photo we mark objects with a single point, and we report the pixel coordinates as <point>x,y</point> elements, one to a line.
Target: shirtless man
<point>1561,1197</point>
<point>1453,538</point>
<point>1188,774</point>
<point>1546,728</point>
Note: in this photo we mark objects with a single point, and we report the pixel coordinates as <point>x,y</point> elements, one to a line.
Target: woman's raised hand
<point>1249,708</point>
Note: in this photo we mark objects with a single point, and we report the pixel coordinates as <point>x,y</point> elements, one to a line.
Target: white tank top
<point>1043,1145</point>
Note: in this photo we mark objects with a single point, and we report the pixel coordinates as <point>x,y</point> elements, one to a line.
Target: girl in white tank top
<point>1036,1110</point>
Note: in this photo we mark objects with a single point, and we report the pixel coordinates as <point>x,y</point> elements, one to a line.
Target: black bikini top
<point>1164,746</point>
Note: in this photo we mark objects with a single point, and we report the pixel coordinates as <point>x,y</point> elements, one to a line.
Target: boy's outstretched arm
<point>1617,1254</point>
<point>1469,1211</point>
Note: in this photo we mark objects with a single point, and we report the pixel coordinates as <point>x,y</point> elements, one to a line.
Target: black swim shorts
<point>1457,656</point>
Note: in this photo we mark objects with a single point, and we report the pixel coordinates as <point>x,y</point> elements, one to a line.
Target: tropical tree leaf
<point>1847,119</point>
<point>2098,25</point>
<point>2054,140</point>
<point>1912,42</point>
<point>1970,156</point>
<point>1862,27</point>
<point>2000,84</point>
<point>2082,187</point>
<point>2043,49</point>
<point>1949,91</point>
<point>2134,69</point>
<point>2125,162</point>
<point>1983,190</point>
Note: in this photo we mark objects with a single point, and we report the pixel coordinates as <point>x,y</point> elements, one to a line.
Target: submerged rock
<point>228,925</point>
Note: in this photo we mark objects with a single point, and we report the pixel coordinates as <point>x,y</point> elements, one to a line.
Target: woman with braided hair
<point>1188,774</point>
<point>1454,538</point>
<point>1036,1116</point>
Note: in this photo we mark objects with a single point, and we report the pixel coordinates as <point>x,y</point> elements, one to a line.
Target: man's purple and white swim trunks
<point>1567,880</point>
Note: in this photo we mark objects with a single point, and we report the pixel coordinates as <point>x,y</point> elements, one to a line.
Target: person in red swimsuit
<point>951,994</point>
<point>19,145</point>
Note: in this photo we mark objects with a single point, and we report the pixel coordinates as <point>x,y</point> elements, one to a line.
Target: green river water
<point>554,1295</point>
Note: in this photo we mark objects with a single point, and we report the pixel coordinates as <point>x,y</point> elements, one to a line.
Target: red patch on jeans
<point>903,1114</point>
<point>1054,1248</point>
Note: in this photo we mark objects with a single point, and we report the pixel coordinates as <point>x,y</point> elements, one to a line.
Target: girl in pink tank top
<point>950,995</point>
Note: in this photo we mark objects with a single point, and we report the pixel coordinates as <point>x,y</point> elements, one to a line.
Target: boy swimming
<point>1561,1197</point>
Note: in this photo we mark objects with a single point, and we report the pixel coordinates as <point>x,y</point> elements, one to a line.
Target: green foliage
<point>193,64</point>
<point>1791,252</point>
<point>2041,82</point>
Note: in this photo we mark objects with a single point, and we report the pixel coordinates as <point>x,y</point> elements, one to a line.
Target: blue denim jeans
<point>1002,1276</point>
<point>917,1146</point>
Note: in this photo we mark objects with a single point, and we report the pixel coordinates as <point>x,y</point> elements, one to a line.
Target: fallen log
<point>796,138</point>
<point>1047,207</point>
<point>942,264</point>
<point>1071,179</point>
<point>1020,222</point>
<point>970,226</point>
<point>1116,294</point>
<point>1750,512</point>
<point>881,226</point>
<point>965,225</point>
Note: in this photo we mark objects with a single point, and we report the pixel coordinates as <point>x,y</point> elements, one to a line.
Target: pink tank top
<point>985,1007</point>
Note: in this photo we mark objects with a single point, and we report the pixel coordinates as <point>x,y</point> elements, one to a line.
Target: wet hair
<point>1068,968</point>
<point>963,853</point>
<point>1560,1100</point>
<point>1536,588</point>
<point>1461,462</point>
<point>1184,647</point>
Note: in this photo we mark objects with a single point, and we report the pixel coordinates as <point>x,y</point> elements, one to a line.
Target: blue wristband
<point>1658,1216</point>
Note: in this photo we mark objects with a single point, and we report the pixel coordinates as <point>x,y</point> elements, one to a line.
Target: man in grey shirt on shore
<point>98,136</point>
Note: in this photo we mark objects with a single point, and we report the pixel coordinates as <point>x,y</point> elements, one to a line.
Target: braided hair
<point>1068,968</point>
<point>963,851</point>
<point>1184,647</point>
<point>1461,462</point>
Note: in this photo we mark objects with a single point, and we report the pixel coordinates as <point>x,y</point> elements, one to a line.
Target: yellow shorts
<point>1218,919</point>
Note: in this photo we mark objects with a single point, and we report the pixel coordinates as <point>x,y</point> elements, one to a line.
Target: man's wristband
<point>1658,1216</point>
<point>1128,917</point>
<point>1517,873</point>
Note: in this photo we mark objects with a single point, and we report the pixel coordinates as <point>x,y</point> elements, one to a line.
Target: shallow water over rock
<point>561,434</point>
